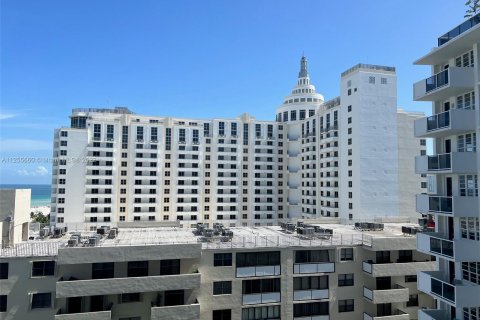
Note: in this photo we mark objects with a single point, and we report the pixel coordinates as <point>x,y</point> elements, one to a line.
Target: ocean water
<point>41,193</point>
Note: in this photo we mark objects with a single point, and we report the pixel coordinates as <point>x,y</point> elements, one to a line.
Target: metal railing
<point>443,289</point>
<point>458,30</point>
<point>438,121</point>
<point>440,162</point>
<point>441,246</point>
<point>436,81</point>
<point>440,204</point>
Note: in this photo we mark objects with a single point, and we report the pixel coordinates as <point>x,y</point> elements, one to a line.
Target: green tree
<point>39,217</point>
<point>473,8</point>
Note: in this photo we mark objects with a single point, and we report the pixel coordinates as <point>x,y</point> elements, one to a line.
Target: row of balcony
<point>180,312</point>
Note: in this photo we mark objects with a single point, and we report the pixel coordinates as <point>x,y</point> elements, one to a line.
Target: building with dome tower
<point>338,158</point>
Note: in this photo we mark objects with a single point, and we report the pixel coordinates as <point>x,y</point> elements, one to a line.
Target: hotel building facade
<point>452,198</point>
<point>341,158</point>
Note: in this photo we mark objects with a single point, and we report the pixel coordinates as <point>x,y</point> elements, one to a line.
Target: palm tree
<point>473,8</point>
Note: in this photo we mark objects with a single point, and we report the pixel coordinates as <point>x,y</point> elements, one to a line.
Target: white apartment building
<point>337,159</point>
<point>255,273</point>
<point>452,198</point>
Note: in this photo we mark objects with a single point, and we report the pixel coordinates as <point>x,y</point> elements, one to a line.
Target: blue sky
<point>191,58</point>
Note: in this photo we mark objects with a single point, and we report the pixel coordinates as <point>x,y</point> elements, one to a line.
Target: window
<point>310,309</point>
<point>469,228</point>
<point>345,280</point>
<point>310,283</point>
<point>129,297</point>
<point>467,142</point>
<point>346,305</point>
<point>43,268</point>
<point>405,256</point>
<point>225,314</point>
<point>411,278</point>
<point>371,80</point>
<point>311,256</point>
<point>4,270</point>
<point>137,269</point>
<point>222,259</point>
<point>471,272</point>
<point>468,185</point>
<point>349,108</point>
<point>471,313</point>
<point>3,303</point>
<point>251,259</point>
<point>260,286</point>
<point>346,254</point>
<point>103,270</point>
<point>261,313</point>
<point>169,267</point>
<point>383,80</point>
<point>41,300</point>
<point>222,287</point>
<point>412,300</point>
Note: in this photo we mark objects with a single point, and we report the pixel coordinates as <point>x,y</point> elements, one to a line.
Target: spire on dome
<point>303,68</point>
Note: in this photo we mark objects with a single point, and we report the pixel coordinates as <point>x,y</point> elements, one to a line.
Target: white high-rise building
<point>338,158</point>
<point>454,89</point>
<point>348,159</point>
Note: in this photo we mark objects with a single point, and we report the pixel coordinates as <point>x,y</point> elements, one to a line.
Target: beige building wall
<point>14,215</point>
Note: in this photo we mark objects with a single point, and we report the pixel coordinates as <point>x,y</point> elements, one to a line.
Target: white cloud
<point>4,116</point>
<point>39,171</point>
<point>15,145</point>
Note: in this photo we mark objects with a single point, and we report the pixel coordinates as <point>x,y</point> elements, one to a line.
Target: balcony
<point>397,315</point>
<point>324,267</point>
<point>323,317</point>
<point>455,162</point>
<point>453,43</point>
<point>457,294</point>
<point>258,271</point>
<point>457,250</point>
<point>396,269</point>
<point>182,312</point>
<point>396,294</point>
<point>447,83</point>
<point>260,298</point>
<point>81,288</point>
<point>299,295</point>
<point>456,205</point>
<point>451,122</point>
<point>435,243</point>
<point>432,314</point>
<point>95,315</point>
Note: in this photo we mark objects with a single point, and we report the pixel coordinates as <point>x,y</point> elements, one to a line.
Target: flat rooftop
<point>243,237</point>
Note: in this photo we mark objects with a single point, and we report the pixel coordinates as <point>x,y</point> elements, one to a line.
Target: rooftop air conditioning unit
<point>73,242</point>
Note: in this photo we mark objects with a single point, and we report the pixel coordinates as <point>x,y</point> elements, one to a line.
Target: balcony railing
<point>441,246</point>
<point>443,289</point>
<point>438,121</point>
<point>440,162</point>
<point>436,81</point>
<point>458,30</point>
<point>440,204</point>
